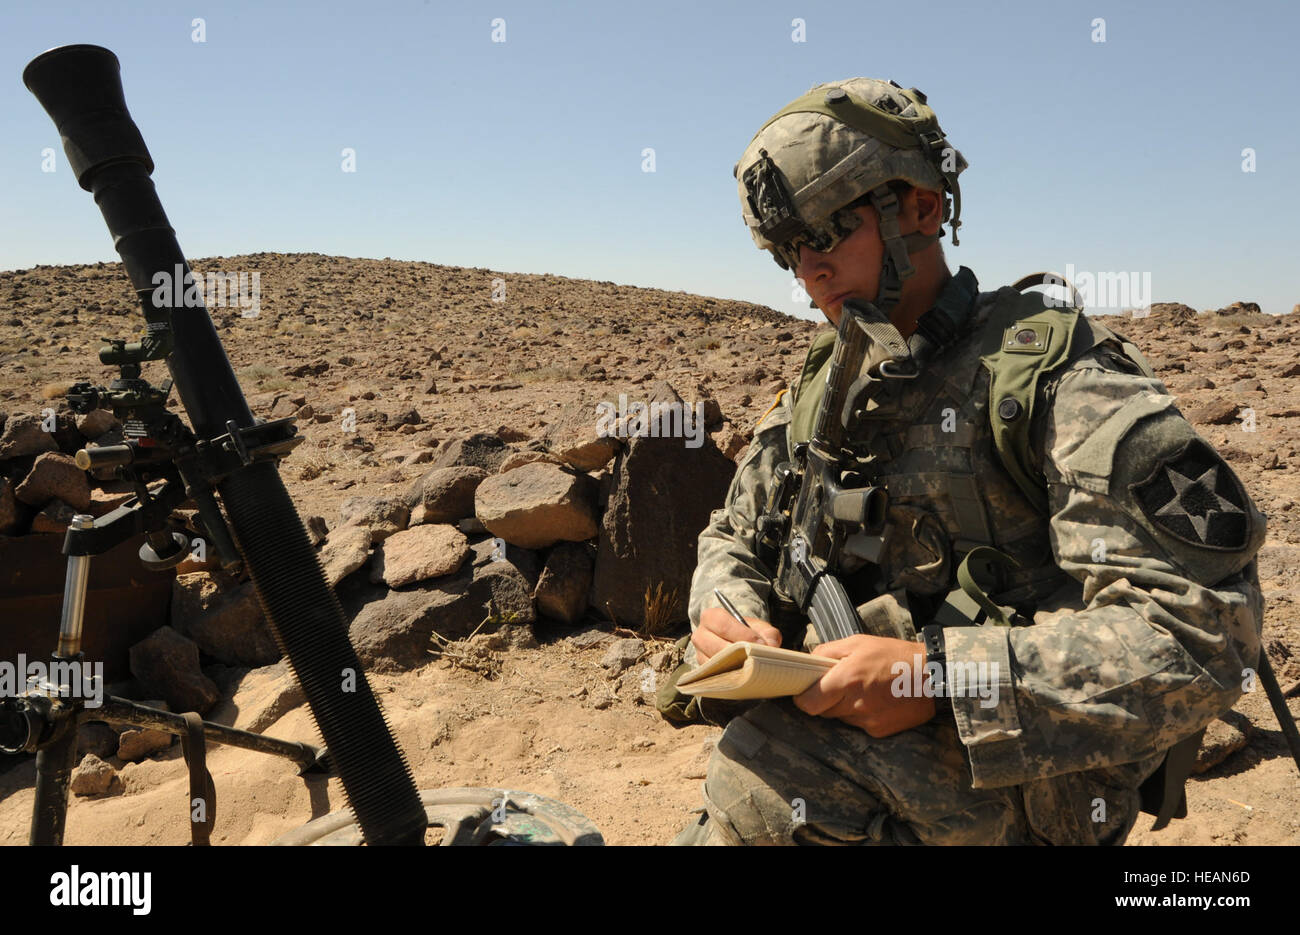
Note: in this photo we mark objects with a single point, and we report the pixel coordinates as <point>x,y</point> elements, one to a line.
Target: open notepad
<point>752,670</point>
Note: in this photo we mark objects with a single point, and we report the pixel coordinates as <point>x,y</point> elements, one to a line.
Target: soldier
<point>1122,610</point>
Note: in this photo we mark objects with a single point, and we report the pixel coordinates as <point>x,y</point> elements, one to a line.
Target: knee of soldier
<point>743,798</point>
<point>771,781</point>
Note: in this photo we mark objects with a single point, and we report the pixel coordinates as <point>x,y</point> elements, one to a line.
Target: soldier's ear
<point>929,209</point>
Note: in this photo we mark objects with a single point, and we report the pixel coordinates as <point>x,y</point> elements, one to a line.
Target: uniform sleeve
<point>727,553</point>
<point>1162,537</point>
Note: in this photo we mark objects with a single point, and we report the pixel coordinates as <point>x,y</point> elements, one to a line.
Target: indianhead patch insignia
<point>1194,496</point>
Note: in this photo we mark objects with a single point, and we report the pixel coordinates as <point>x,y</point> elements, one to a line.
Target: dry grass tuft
<point>659,610</point>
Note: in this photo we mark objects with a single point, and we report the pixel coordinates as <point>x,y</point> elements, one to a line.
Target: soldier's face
<point>850,270</point>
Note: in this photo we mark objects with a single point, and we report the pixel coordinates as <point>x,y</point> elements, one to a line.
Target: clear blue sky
<point>526,155</point>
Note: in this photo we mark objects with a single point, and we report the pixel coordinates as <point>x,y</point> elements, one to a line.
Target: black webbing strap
<point>203,793</point>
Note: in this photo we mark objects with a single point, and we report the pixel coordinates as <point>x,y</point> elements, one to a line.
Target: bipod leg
<point>120,711</point>
<point>1280,710</point>
<point>57,757</point>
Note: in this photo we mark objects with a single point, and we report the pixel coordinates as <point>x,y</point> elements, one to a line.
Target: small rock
<point>55,476</point>
<point>314,369</point>
<point>56,517</point>
<point>520,458</point>
<point>479,450</point>
<point>393,632</point>
<point>137,743</point>
<point>508,434</point>
<point>317,529</point>
<point>537,505</point>
<point>471,526</point>
<point>167,663</point>
<point>92,776</point>
<point>1223,737</point>
<point>444,495</point>
<point>562,587</point>
<point>227,625</point>
<point>622,654</point>
<point>23,435</point>
<point>1222,412</point>
<point>581,437</point>
<point>381,516</point>
<point>590,638</point>
<point>96,422</point>
<point>392,629</point>
<point>731,442</point>
<point>98,738</point>
<point>265,695</point>
<point>525,561</point>
<point>346,550</point>
<point>428,551</point>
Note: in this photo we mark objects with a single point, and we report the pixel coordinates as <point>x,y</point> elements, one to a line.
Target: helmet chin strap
<point>897,267</point>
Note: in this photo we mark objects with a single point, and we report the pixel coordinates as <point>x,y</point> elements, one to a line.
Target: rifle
<point>819,505</point>
<point>223,452</point>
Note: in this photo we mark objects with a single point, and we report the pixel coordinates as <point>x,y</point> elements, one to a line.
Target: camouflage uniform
<point>1141,588</point>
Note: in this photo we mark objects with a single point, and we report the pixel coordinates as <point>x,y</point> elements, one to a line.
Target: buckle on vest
<point>888,369</point>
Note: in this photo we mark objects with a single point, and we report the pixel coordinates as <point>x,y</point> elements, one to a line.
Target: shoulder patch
<point>1195,497</point>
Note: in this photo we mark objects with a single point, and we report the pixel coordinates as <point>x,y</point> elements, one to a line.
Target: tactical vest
<point>954,449</point>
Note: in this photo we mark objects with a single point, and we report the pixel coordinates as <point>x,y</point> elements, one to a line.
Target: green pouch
<point>675,706</point>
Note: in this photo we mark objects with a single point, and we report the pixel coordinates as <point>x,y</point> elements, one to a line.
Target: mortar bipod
<point>45,717</point>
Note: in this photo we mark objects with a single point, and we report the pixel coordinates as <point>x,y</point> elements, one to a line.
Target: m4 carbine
<point>821,506</point>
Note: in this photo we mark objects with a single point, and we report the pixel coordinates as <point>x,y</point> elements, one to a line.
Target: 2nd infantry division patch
<point>1195,497</point>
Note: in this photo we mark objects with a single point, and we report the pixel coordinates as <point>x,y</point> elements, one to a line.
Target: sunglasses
<point>821,238</point>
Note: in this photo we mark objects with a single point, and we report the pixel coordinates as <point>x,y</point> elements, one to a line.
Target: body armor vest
<point>959,474</point>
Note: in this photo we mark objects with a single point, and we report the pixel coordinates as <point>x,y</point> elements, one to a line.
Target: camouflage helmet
<point>828,152</point>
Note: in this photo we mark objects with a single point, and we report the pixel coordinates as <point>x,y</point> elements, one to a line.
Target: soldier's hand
<point>859,691</point>
<point>718,629</point>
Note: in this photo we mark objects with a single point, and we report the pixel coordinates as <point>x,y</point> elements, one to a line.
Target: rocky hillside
<point>498,560</point>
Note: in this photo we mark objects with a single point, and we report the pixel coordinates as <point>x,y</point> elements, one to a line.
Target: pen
<point>731,608</point>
